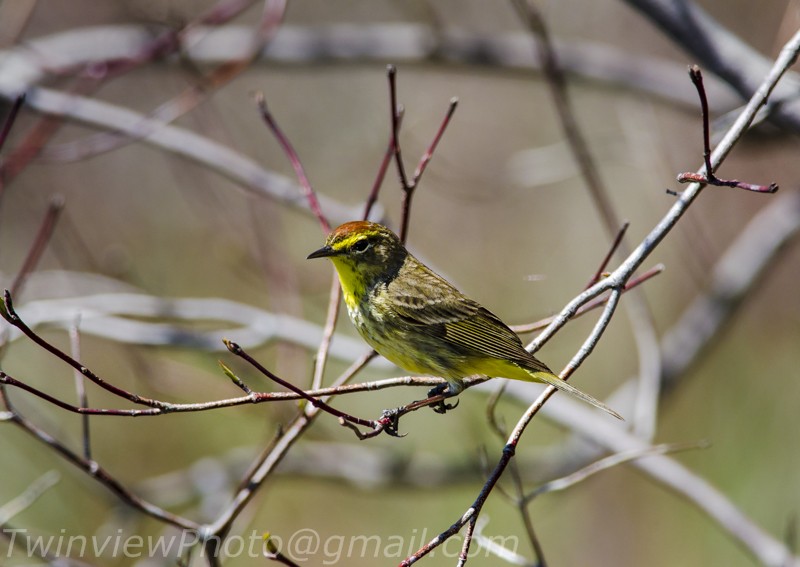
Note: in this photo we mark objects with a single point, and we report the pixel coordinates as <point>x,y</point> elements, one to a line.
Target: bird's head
<point>364,253</point>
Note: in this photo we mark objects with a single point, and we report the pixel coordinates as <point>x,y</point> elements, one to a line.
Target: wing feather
<point>434,307</point>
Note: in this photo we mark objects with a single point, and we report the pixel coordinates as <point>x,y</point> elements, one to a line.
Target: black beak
<point>323,252</point>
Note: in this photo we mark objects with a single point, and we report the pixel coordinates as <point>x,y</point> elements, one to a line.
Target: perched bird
<point>419,321</point>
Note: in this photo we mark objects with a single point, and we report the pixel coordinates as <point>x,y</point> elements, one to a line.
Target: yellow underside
<point>460,368</point>
<point>497,368</point>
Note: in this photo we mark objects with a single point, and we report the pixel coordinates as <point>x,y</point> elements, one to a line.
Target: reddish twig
<point>614,246</point>
<point>290,152</point>
<point>590,305</point>
<point>251,397</point>
<point>10,118</point>
<point>709,178</point>
<point>396,112</point>
<point>317,403</point>
<point>387,159</point>
<point>40,242</point>
<point>410,185</point>
<point>426,157</point>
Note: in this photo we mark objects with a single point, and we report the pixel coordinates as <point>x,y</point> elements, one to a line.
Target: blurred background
<point>209,210</point>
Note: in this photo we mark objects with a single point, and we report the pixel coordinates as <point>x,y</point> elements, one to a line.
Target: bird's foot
<point>447,391</point>
<point>391,421</point>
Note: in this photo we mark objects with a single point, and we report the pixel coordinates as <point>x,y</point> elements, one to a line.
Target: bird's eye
<point>361,245</point>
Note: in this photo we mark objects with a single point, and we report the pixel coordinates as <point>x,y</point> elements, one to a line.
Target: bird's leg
<point>390,418</point>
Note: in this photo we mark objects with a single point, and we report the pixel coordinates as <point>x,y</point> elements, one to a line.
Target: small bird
<point>421,322</point>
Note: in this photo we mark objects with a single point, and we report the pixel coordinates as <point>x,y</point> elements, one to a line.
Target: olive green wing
<point>438,309</point>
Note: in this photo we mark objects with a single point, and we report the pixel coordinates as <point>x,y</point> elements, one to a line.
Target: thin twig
<point>612,249</point>
<point>609,462</point>
<point>327,334</point>
<point>250,398</point>
<point>396,112</point>
<point>426,157</point>
<point>409,186</point>
<point>470,531</point>
<point>235,379</point>
<point>516,476</point>
<point>589,305</point>
<point>708,175</point>
<point>381,175</point>
<point>40,242</point>
<point>290,152</point>
<point>10,118</point>
<point>316,402</point>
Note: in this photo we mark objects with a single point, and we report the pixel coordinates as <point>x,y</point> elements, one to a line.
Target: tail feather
<point>557,382</point>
